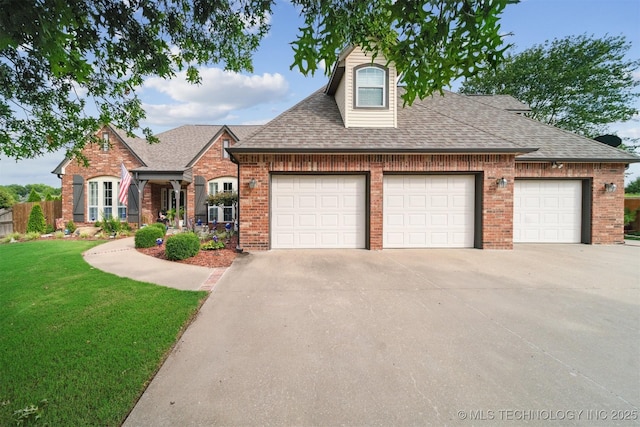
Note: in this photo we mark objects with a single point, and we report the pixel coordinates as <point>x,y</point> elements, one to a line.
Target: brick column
<point>375,206</point>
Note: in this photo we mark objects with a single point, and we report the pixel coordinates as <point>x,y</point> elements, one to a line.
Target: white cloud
<point>220,94</point>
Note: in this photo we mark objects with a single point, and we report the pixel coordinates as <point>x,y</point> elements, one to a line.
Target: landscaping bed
<point>204,258</point>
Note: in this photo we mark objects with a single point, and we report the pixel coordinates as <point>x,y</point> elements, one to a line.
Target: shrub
<point>71,226</point>
<point>629,216</point>
<point>9,237</point>
<point>212,245</point>
<point>59,234</point>
<point>37,223</point>
<point>633,187</point>
<point>110,225</point>
<point>182,246</point>
<point>146,237</point>
<point>50,229</point>
<point>159,226</point>
<point>34,196</point>
<point>32,235</point>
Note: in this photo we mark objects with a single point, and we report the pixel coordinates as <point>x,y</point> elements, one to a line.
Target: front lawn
<point>77,345</point>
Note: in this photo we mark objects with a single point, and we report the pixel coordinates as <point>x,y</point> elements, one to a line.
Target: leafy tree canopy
<point>633,187</point>
<point>7,198</point>
<point>21,192</point>
<point>57,56</point>
<point>577,83</point>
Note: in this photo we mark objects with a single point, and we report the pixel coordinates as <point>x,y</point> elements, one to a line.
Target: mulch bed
<point>217,258</point>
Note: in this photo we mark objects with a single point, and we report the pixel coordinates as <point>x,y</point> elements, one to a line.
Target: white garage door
<point>547,211</point>
<point>428,211</point>
<point>315,211</point>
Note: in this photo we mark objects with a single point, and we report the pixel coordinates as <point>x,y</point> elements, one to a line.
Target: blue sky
<point>229,98</point>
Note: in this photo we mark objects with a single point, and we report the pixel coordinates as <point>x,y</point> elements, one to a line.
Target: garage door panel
<point>318,211</point>
<point>446,219</point>
<point>440,201</point>
<point>547,211</point>
<point>417,219</point>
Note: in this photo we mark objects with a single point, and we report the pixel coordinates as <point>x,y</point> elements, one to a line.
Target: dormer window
<point>371,86</point>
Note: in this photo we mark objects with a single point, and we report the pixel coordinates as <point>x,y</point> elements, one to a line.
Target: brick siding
<point>497,209</point>
<point>210,165</point>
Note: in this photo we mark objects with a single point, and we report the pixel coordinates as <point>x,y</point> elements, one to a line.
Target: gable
<point>349,89</point>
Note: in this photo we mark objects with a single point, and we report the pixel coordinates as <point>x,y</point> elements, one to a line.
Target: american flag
<point>125,182</point>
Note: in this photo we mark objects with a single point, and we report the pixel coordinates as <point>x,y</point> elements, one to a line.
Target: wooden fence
<point>52,209</point>
<point>6,222</point>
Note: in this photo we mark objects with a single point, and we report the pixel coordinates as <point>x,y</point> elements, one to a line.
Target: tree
<point>34,196</point>
<point>577,83</point>
<point>633,187</point>
<point>6,198</point>
<point>37,222</point>
<point>57,56</point>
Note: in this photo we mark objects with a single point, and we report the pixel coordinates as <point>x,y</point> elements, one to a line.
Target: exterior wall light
<point>610,187</point>
<point>502,182</point>
<point>253,183</point>
<point>557,165</point>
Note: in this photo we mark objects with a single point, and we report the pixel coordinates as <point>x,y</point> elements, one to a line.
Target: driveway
<point>410,337</point>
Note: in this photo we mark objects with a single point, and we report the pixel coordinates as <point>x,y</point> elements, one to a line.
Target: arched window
<point>371,87</point>
<point>103,199</point>
<point>227,184</point>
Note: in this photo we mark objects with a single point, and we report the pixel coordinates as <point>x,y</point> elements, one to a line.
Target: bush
<point>71,226</point>
<point>37,223</point>
<point>34,196</point>
<point>110,225</point>
<point>146,237</point>
<point>182,246</point>
<point>32,235</point>
<point>629,216</point>
<point>159,226</point>
<point>50,229</point>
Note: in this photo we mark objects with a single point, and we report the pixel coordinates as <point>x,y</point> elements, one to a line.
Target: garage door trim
<point>367,207</point>
<point>585,202</point>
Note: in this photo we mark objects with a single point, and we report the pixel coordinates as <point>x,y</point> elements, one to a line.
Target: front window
<point>102,201</point>
<point>370,87</point>
<point>222,213</point>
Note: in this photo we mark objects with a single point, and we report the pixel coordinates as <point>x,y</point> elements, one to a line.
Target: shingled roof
<point>315,125</point>
<point>437,124</point>
<point>180,147</point>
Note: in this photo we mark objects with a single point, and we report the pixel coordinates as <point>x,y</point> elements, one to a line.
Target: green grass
<point>85,341</point>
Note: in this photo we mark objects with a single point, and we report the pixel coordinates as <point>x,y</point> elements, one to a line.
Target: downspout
<point>234,160</point>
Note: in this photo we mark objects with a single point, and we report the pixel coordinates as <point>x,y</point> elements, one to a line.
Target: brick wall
<point>607,209</point>
<point>497,213</point>
<point>101,163</point>
<point>211,165</point>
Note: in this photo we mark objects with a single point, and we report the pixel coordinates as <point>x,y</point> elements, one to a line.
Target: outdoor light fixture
<point>610,187</point>
<point>502,182</point>
<point>556,165</point>
<point>253,183</point>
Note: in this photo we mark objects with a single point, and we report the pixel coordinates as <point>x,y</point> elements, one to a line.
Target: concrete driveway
<point>411,337</point>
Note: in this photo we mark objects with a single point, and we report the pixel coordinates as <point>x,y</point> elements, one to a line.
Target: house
<point>187,164</point>
<point>351,167</point>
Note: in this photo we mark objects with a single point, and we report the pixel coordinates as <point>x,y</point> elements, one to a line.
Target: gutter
<point>242,150</point>
<point>234,160</point>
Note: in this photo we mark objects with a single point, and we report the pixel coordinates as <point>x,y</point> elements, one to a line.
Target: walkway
<point>122,259</point>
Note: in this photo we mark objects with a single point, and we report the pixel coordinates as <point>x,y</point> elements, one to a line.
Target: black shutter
<point>78,198</point>
<point>133,204</point>
<point>201,199</point>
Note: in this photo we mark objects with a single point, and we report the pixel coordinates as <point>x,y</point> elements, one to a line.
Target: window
<point>103,201</point>
<point>105,141</point>
<point>371,91</point>
<point>222,213</point>
<point>225,144</point>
